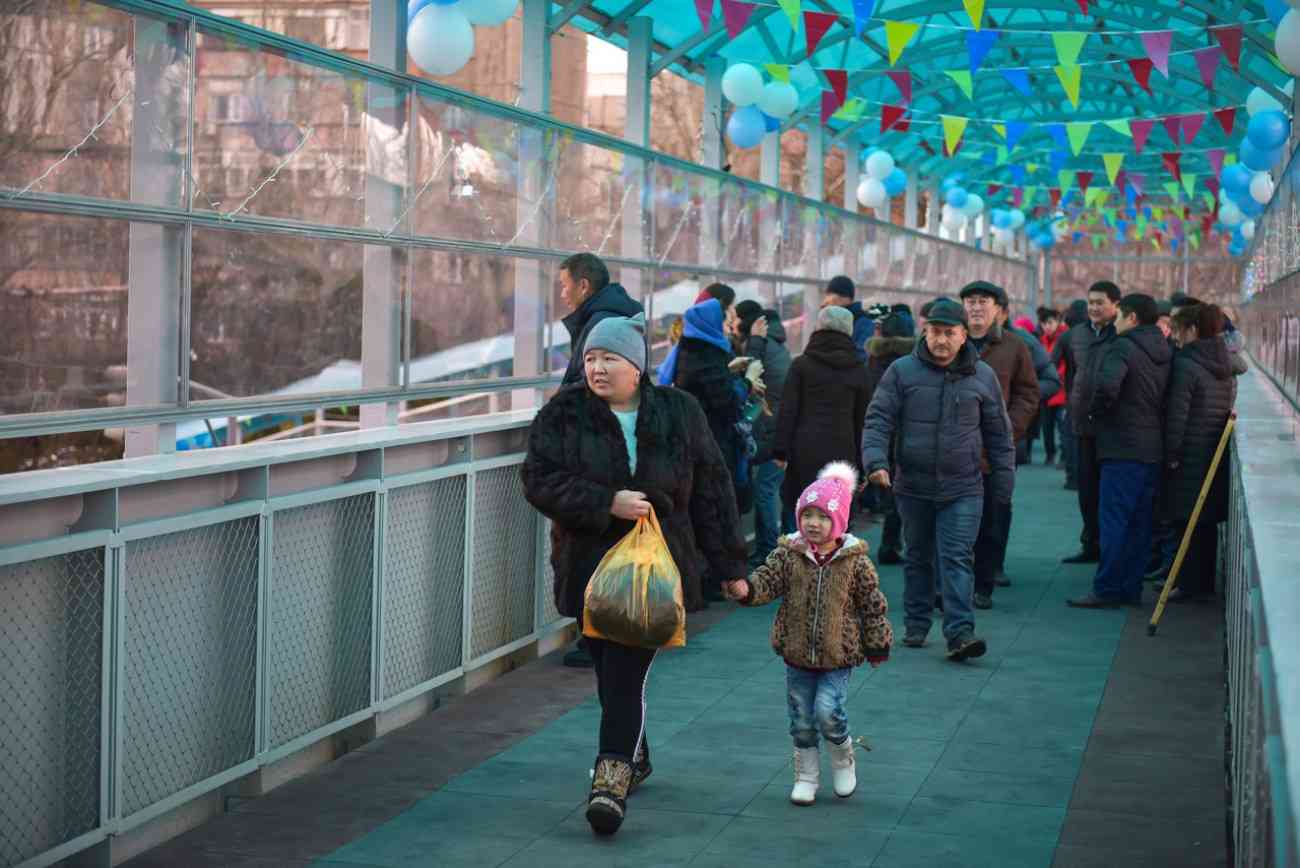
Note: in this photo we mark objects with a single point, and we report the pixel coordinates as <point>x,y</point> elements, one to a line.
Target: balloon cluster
<point>1044,235</point>
<point>440,33</point>
<point>1005,224</point>
<point>959,205</point>
<point>884,180</point>
<point>760,107</point>
<point>1286,42</point>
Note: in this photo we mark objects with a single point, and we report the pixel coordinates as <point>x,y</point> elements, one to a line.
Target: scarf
<point>702,322</point>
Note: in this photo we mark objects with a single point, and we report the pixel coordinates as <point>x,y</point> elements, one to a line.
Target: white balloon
<point>440,39</point>
<point>1261,187</point>
<point>1287,42</point>
<point>779,100</point>
<point>488,13</point>
<point>879,165</point>
<point>974,205</point>
<point>872,194</point>
<point>742,84</point>
<point>1017,218</point>
<point>1230,215</point>
<point>1258,101</point>
<point>1248,230</point>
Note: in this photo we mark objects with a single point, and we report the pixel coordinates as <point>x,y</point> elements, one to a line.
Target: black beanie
<point>842,286</point>
<point>748,311</point>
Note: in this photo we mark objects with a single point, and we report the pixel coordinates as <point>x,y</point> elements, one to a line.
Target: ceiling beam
<point>564,15</point>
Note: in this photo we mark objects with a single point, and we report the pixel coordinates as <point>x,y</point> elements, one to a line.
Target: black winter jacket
<point>1202,391</point>
<point>1079,347</point>
<point>822,409</point>
<point>577,460</point>
<point>1049,381</point>
<point>702,372</point>
<point>883,352</point>
<point>1126,398</point>
<point>944,419</point>
<point>611,300</point>
<point>771,351</point>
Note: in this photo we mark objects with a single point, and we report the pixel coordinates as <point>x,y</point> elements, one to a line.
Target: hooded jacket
<point>833,615</point>
<point>944,419</point>
<point>864,328</point>
<point>772,352</point>
<point>822,407</point>
<point>1082,348</point>
<point>1009,357</point>
<point>1049,344</point>
<point>1126,398</point>
<point>577,460</point>
<point>1202,392</point>
<point>611,300</point>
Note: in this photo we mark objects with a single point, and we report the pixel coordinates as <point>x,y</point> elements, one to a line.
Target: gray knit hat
<point>624,336</point>
<point>836,319</point>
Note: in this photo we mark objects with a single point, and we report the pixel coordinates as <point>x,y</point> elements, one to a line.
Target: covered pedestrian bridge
<point>278,284</point>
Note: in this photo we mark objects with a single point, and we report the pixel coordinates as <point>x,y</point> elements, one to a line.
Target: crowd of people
<point>914,420</point>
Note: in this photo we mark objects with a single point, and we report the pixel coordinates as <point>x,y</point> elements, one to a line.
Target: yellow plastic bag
<point>635,595</point>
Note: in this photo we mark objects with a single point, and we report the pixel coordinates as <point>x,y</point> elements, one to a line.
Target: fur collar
<point>796,543</point>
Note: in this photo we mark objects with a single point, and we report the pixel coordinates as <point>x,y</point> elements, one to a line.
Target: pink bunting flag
<point>830,105</point>
<point>1171,125</point>
<point>1207,61</point>
<point>1230,39</point>
<point>815,25</point>
<point>1212,184</point>
<point>902,79</point>
<point>1018,196</point>
<point>1137,182</point>
<point>1216,156</point>
<point>736,16</point>
<point>1191,126</point>
<point>1170,159</point>
<point>1157,47</point>
<point>1141,129</point>
<point>704,9</point>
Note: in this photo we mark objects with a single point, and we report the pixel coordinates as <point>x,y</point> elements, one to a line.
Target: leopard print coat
<point>832,616</point>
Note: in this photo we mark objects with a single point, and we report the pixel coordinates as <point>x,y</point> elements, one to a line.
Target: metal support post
<point>934,211</point>
<point>851,243</point>
<point>814,178</point>
<point>636,129</point>
<point>773,227</point>
<point>910,203</point>
<point>711,154</point>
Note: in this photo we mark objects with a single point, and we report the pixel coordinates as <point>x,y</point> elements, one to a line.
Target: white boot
<point>844,772</point>
<point>807,775</point>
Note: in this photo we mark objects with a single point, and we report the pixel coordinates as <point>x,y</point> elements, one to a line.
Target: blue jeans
<point>1127,494</point>
<point>817,705</point>
<point>767,509</point>
<point>939,536</point>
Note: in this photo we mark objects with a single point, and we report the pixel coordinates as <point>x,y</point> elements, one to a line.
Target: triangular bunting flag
<point>1068,45</point>
<point>1071,77</point>
<point>1003,156</point>
<point>1018,196</point>
<point>1083,6</point>
<point>1226,117</point>
<point>853,110</point>
<point>1113,163</point>
<point>902,79</point>
<point>1141,69</point>
<point>1230,39</point>
<point>1171,188</point>
<point>1189,182</point>
<point>897,35</point>
<point>953,129</point>
<point>1097,240</point>
<point>903,125</point>
<point>778,71</point>
<point>1055,195</point>
<point>975,9</point>
<point>839,82</point>
<point>1078,133</point>
<point>978,45</point>
<point>1120,127</point>
<point>1191,126</point>
<point>963,79</point>
<point>704,9</point>
<point>1170,161</point>
<point>1015,131</point>
<point>994,189</point>
<point>1172,125</point>
<point>1157,47</point>
<point>1000,129</point>
<point>1216,156</point>
<point>1137,182</point>
<point>1033,168</point>
<point>815,25</point>
<point>1207,61</point>
<point>1141,129</point>
<point>947,152</point>
<point>890,115</point>
<point>1031,193</point>
<point>1065,178</point>
<point>1212,184</point>
<point>1019,79</point>
<point>862,10</point>
<point>830,105</point>
<point>791,10</point>
<point>736,16</point>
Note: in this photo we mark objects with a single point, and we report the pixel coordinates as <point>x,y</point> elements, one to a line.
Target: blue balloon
<point>1046,240</point>
<point>1255,158</point>
<point>772,124</point>
<point>896,183</point>
<point>1002,219</point>
<point>1251,208</point>
<point>746,127</point>
<point>1236,179</point>
<point>414,6</point>
<point>1236,249</point>
<point>957,197</point>
<point>1269,130</point>
<point>1275,10</point>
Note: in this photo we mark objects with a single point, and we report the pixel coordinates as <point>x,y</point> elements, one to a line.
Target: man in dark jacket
<point>945,408</point>
<point>763,339</point>
<point>1125,404</point>
<point>1082,348</point>
<point>1075,314</point>
<point>839,293</point>
<point>1010,359</point>
<point>586,290</point>
<point>894,341</point>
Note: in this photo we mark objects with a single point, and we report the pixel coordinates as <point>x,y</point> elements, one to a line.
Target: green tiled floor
<point>971,765</point>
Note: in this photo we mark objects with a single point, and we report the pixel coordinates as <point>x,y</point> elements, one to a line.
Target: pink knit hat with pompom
<point>832,493</point>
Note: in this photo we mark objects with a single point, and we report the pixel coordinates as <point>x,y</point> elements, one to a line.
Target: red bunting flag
<point>1141,68</point>
<point>1084,179</point>
<point>1191,126</point>
<point>815,25</point>
<point>1230,39</point>
<point>830,105</point>
<point>1172,124</point>
<point>902,79</point>
<point>1018,196</point>
<point>1226,118</point>
<point>995,189</point>
<point>1055,194</point>
<point>1207,61</point>
<point>1083,5</point>
<point>736,16</point>
<point>1216,156</point>
<point>1140,130</point>
<point>903,125</point>
<point>1170,160</point>
<point>839,82</point>
<point>891,115</point>
<point>704,9</point>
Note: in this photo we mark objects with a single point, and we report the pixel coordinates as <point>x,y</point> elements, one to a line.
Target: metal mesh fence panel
<point>424,582</point>
<point>319,605</point>
<point>505,548</point>
<point>190,656</point>
<point>51,654</point>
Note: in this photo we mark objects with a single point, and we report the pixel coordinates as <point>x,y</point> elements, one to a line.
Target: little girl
<point>832,618</point>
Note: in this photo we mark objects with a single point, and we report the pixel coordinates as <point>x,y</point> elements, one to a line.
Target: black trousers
<point>991,543</point>
<point>1051,417</point>
<point>621,675</point>
<point>1200,566</point>
<point>892,535</point>
<point>1089,479</point>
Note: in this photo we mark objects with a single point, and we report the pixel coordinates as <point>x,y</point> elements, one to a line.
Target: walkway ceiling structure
<point>1029,35</point>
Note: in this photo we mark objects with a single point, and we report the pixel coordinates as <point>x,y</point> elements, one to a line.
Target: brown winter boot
<point>607,804</point>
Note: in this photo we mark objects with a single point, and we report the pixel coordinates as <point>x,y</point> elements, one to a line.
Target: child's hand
<point>738,589</point>
<point>875,664</point>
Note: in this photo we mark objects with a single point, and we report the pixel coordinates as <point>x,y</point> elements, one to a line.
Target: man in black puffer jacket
<point>585,287</point>
<point>945,407</point>
<point>1125,406</point>
<point>763,338</point>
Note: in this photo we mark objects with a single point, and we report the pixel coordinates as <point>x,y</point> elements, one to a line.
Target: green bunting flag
<point>1189,182</point>
<point>1171,187</point>
<point>1078,133</point>
<point>975,9</point>
<point>1121,127</point>
<point>963,79</point>
<point>791,10</point>
<point>778,71</point>
<point>953,129</point>
<point>1113,163</point>
<point>1065,178</point>
<point>1071,77</point>
<point>1068,45</point>
<point>897,35</point>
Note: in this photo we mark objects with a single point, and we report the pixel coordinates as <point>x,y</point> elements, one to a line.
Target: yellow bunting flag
<point>1078,132</point>
<point>778,71</point>
<point>1000,129</point>
<point>897,35</point>
<point>1065,178</point>
<point>791,10</point>
<point>1113,163</point>
<point>975,9</point>
<point>853,110</point>
<point>1120,127</point>
<point>963,79</point>
<point>953,129</point>
<point>1230,160</point>
<point>1189,182</point>
<point>1068,45</point>
<point>1032,167</point>
<point>1071,77</point>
